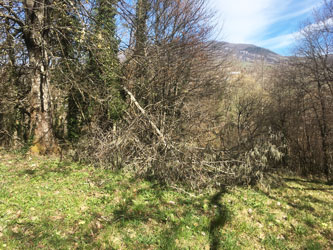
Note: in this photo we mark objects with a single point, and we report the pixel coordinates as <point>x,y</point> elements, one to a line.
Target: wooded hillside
<point>139,85</point>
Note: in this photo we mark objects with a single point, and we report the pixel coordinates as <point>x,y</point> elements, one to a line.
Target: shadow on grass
<point>290,200</point>
<point>43,170</point>
<point>310,182</point>
<point>312,188</point>
<point>128,212</point>
<point>176,218</point>
<point>169,237</point>
<point>51,234</point>
<point>316,200</point>
<point>39,235</point>
<point>304,199</point>
<point>219,221</point>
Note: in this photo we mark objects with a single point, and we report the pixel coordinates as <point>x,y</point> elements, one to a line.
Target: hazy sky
<point>268,23</point>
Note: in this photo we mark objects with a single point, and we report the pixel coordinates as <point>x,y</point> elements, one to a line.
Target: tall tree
<point>33,20</point>
<point>103,65</point>
<point>315,64</point>
<point>303,96</point>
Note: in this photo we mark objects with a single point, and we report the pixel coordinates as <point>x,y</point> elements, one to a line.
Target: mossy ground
<point>49,204</point>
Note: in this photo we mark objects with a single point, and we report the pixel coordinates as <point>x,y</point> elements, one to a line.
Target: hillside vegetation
<point>48,204</point>
<point>134,129</point>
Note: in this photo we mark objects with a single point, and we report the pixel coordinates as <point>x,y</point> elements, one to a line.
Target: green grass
<point>49,204</point>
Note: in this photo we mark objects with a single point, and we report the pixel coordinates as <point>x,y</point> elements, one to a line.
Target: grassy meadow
<point>48,204</point>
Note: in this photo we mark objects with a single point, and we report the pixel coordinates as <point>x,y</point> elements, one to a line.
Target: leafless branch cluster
<point>139,85</point>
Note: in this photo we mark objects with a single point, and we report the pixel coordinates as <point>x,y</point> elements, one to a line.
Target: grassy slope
<point>52,205</point>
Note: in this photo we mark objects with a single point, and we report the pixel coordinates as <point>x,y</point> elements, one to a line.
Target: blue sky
<point>272,24</point>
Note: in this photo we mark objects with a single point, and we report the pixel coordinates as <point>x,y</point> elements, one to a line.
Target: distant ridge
<point>248,52</point>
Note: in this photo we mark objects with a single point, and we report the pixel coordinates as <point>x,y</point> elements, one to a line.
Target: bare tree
<point>315,52</point>
<point>302,97</point>
<point>168,49</point>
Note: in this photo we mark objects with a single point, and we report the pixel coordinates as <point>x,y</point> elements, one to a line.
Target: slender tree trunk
<point>324,134</point>
<point>142,7</point>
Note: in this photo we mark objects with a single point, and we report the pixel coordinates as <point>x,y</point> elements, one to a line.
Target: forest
<point>140,85</point>
<point>132,117</point>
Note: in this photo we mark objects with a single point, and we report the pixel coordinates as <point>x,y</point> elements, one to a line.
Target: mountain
<point>247,52</point>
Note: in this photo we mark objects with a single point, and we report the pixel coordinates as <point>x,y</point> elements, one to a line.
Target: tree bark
<point>35,36</point>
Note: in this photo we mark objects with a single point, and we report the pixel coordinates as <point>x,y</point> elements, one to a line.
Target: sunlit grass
<point>49,204</point>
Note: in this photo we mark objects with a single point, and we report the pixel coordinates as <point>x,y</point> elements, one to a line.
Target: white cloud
<point>248,21</point>
<point>296,13</point>
<point>286,40</point>
<point>320,25</point>
<point>243,18</point>
<point>281,41</point>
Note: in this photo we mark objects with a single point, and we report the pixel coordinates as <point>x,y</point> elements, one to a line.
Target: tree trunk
<point>40,102</point>
<point>324,134</point>
<point>36,40</point>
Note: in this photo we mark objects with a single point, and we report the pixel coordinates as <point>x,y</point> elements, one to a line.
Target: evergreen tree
<point>103,65</point>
